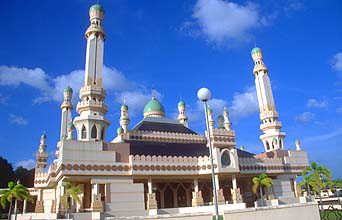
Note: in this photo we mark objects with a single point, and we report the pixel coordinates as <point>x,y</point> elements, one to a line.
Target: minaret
<point>273,138</point>
<point>227,124</point>
<point>41,156</point>
<point>210,118</point>
<point>66,112</point>
<point>124,119</point>
<point>91,125</point>
<point>182,118</point>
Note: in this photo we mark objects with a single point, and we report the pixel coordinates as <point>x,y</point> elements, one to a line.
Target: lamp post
<point>204,95</point>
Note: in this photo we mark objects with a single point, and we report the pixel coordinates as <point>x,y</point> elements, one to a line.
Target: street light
<point>204,95</point>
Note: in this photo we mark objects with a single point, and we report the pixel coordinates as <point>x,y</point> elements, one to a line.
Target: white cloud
<point>52,88</point>
<point>28,164</point>
<point>305,117</point>
<point>314,103</point>
<point>220,21</point>
<point>244,104</point>
<point>337,62</point>
<point>14,76</point>
<point>14,119</point>
<point>322,137</point>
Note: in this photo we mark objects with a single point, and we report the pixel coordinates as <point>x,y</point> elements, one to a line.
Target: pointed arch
<point>93,132</point>
<point>267,145</point>
<point>83,132</point>
<point>102,133</point>
<point>225,159</point>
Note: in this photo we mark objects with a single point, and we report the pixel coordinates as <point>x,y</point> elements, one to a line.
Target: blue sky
<point>177,46</point>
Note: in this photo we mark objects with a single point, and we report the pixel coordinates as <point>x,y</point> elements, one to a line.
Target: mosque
<point>159,163</point>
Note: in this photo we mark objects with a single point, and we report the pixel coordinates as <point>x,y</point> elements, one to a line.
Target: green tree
<point>72,191</point>
<point>13,192</point>
<point>307,183</point>
<point>259,182</point>
<point>321,175</point>
<point>6,173</point>
<point>25,176</point>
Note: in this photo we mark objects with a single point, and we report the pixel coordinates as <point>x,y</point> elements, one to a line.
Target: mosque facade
<point>160,162</point>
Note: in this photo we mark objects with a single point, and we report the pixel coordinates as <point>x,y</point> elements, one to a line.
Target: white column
<point>196,185</point>
<point>95,189</point>
<point>234,182</point>
<point>217,182</point>
<point>295,187</point>
<point>149,185</point>
<point>24,206</point>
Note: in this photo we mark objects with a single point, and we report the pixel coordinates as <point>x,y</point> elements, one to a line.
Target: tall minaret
<point>91,124</point>
<point>273,138</point>
<point>124,119</point>
<point>66,112</point>
<point>182,118</point>
<point>41,156</point>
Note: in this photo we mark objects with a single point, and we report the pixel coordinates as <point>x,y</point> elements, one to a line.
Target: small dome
<point>181,103</point>
<point>220,117</point>
<point>68,89</point>
<point>96,7</point>
<point>124,107</point>
<point>225,110</point>
<point>210,111</point>
<point>71,127</point>
<point>120,130</point>
<point>154,109</point>
<point>255,50</point>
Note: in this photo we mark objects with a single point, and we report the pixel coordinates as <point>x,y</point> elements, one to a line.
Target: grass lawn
<point>331,215</point>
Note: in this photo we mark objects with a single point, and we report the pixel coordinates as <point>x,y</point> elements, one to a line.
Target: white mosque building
<point>159,163</point>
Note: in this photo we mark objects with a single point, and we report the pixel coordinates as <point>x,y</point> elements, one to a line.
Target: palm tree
<point>320,175</point>
<point>14,192</point>
<point>73,191</point>
<point>259,182</point>
<point>307,182</point>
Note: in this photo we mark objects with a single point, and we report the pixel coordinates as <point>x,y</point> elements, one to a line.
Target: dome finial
<point>153,92</point>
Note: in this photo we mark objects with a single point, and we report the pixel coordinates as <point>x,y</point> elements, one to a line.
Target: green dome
<point>181,103</point>
<point>96,7</point>
<point>154,107</point>
<point>71,126</point>
<point>124,107</point>
<point>120,130</point>
<point>210,111</point>
<point>68,89</point>
<point>255,50</point>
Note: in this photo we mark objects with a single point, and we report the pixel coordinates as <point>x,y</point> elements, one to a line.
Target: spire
<point>227,124</point>
<point>41,156</point>
<point>124,119</point>
<point>272,137</point>
<point>210,117</point>
<point>182,118</point>
<point>67,108</point>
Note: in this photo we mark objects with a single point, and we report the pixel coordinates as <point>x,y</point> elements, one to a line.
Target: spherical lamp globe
<point>204,94</point>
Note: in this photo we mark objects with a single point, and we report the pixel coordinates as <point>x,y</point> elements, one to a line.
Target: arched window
<point>84,132</point>
<point>102,133</point>
<point>280,144</point>
<point>93,132</point>
<point>225,159</point>
<point>267,145</point>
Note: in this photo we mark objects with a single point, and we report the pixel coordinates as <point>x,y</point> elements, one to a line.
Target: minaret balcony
<point>269,114</point>
<point>258,68</point>
<point>271,125</point>
<point>88,90</point>
<point>92,105</point>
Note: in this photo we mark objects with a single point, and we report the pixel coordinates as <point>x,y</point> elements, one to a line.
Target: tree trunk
<point>15,208</point>
<point>10,210</point>
<point>320,196</point>
<point>261,196</point>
